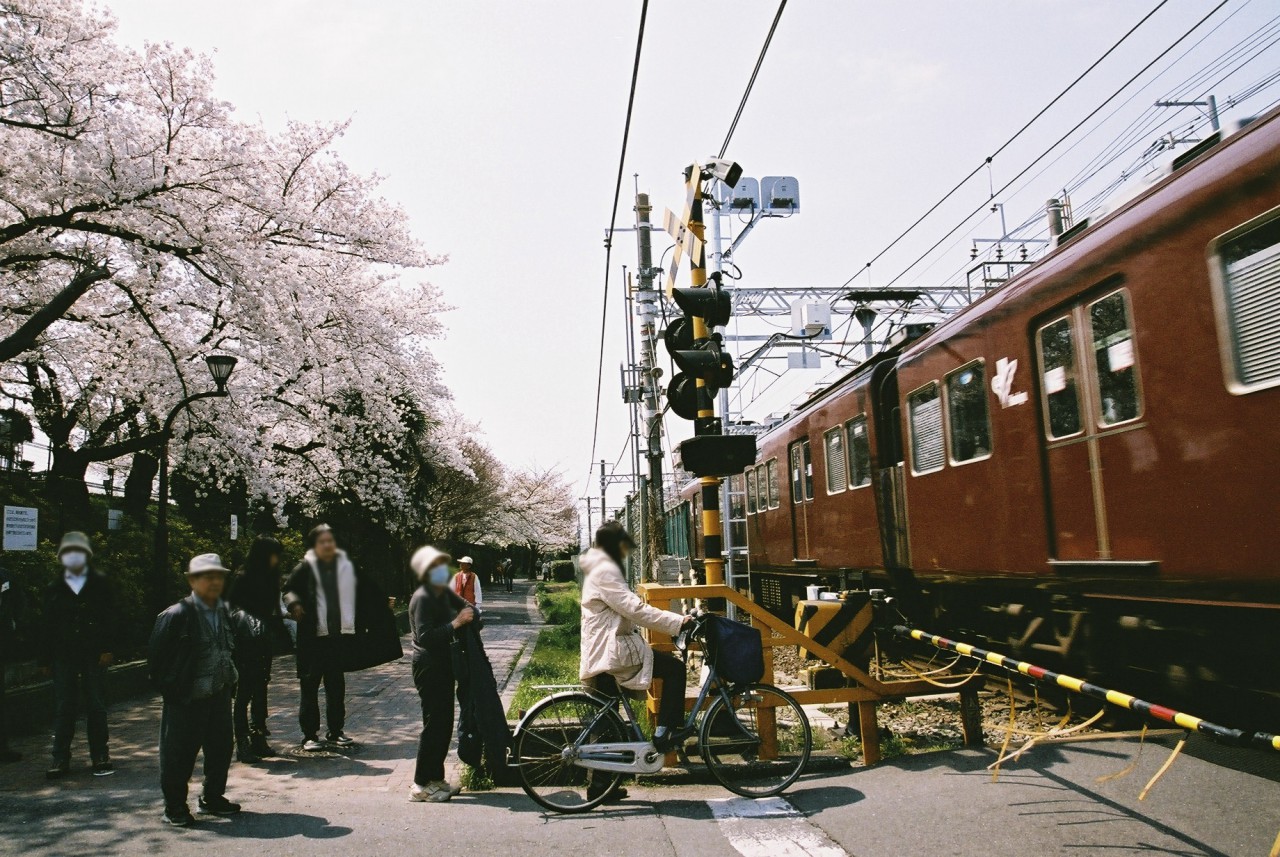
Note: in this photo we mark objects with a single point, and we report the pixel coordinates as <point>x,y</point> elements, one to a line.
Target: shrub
<point>563,571</point>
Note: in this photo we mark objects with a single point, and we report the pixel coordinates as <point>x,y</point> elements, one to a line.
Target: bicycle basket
<point>735,649</point>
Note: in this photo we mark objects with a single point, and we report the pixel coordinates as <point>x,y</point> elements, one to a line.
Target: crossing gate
<point>862,689</point>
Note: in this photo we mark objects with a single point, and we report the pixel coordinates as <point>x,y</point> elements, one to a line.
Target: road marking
<point>770,827</point>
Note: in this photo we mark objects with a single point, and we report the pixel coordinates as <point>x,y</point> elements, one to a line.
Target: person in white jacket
<point>613,652</point>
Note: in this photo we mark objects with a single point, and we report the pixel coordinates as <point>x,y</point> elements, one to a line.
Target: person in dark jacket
<point>11,605</point>
<point>321,597</point>
<point>256,592</point>
<point>436,613</point>
<point>192,661</point>
<point>79,638</point>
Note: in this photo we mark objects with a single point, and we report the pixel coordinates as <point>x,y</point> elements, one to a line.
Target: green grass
<point>555,653</point>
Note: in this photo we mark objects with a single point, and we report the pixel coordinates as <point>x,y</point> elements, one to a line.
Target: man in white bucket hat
<point>192,662</point>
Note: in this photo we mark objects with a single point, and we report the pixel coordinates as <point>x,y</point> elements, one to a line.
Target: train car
<point>1081,465</point>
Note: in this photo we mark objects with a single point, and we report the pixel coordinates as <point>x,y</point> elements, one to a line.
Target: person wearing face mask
<point>436,613</point>
<point>79,623</point>
<point>612,654</point>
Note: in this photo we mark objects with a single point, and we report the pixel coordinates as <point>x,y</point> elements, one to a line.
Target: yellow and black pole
<point>706,422</point>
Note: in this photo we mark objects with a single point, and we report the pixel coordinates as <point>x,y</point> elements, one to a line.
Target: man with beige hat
<point>192,663</point>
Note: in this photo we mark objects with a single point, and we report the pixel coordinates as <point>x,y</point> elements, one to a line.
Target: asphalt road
<point>1048,803</point>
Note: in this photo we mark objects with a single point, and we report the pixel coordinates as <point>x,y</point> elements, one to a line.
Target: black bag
<point>736,650</point>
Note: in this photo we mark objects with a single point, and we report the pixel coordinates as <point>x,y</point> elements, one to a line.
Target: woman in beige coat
<point>613,652</point>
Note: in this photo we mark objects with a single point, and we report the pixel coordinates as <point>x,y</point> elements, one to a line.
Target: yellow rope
<point>1055,732</point>
<point>944,685</point>
<point>1008,735</point>
<point>1167,762</point>
<point>1275,849</point>
<point>1128,769</point>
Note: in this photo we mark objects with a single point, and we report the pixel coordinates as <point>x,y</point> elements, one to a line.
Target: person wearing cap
<point>79,622</point>
<point>192,661</point>
<point>509,574</point>
<point>467,583</point>
<point>436,612</point>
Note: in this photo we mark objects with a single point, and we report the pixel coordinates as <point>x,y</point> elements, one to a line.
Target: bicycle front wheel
<point>759,744</point>
<point>547,773</point>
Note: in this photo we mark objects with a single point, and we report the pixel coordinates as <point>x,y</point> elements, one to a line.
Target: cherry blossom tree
<point>143,226</point>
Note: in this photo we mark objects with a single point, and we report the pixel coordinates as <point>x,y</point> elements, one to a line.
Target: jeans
<point>185,730</point>
<point>326,669</point>
<point>71,676</point>
<point>671,671</point>
<point>434,681</point>
<point>251,699</point>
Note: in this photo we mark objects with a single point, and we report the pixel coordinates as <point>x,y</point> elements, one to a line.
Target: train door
<point>1089,394</point>
<point>801,468</point>
<point>891,500</point>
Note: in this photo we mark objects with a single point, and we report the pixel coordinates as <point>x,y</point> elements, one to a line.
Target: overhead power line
<point>608,244</point>
<point>946,196</point>
<point>1058,142</point>
<point>733,126</point>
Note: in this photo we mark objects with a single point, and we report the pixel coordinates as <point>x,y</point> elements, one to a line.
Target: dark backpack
<point>736,650</point>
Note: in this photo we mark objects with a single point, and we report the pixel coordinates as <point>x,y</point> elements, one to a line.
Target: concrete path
<point>1049,803</point>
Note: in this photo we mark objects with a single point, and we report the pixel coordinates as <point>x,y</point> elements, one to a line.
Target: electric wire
<point>733,126</point>
<point>1007,143</point>
<point>613,219</point>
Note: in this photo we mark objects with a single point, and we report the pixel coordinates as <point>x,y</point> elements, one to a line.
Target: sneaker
<point>8,756</point>
<point>672,740</point>
<point>103,768</point>
<point>437,792</point>
<point>179,817</point>
<point>311,745</point>
<point>218,806</point>
<point>340,740</point>
<point>58,770</point>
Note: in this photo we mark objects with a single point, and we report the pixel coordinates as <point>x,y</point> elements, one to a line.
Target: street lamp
<point>220,366</point>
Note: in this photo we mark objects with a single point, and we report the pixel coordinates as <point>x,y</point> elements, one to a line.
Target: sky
<point>497,126</point>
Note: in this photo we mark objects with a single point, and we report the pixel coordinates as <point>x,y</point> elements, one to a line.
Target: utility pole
<point>726,499</point>
<point>646,298</point>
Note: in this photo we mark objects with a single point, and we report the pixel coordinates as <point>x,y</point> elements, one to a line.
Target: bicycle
<point>573,748</point>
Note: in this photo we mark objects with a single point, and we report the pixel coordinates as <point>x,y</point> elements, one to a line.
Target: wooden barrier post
<point>870,731</point>
<point>971,717</point>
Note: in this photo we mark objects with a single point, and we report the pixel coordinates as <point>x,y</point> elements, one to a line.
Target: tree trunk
<point>66,490</point>
<point>137,487</point>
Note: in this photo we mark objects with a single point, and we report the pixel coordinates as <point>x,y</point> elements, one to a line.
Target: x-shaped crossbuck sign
<point>687,244</point>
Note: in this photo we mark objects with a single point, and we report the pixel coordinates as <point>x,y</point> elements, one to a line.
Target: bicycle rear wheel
<point>759,745</point>
<point>547,773</point>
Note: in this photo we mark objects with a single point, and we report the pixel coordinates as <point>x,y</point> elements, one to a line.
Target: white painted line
<point>770,827</point>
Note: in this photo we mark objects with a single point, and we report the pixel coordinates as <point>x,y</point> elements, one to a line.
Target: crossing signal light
<point>698,359</point>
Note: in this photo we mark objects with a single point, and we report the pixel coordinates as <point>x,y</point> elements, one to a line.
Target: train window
<point>751,491</point>
<point>859,452</point>
<point>968,420</point>
<point>837,464</point>
<point>1247,298</point>
<point>808,470</point>
<point>797,474</point>
<point>1115,359</point>
<point>774,498</point>
<point>762,488</point>
<point>1058,365</point>
<point>924,407</point>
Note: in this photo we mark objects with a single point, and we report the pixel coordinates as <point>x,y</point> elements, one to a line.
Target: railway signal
<point>705,367</point>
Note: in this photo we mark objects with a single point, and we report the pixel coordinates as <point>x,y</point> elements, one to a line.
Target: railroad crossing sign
<point>687,244</point>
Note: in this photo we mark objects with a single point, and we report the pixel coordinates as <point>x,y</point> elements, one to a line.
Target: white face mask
<point>74,560</point>
<point>438,575</point>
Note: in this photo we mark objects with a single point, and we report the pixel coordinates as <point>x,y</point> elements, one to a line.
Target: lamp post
<point>220,366</point>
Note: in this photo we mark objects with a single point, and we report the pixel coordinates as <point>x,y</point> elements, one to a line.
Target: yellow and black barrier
<point>1186,721</point>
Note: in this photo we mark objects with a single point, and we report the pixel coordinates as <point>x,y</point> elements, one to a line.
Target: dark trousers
<point>185,730</point>
<point>511,583</point>
<point>671,671</point>
<point>434,682</point>
<point>71,676</point>
<point>325,668</point>
<point>251,698</point>
<point>4,711</point>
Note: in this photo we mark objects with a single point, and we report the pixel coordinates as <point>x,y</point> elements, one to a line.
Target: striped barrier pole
<point>1186,721</point>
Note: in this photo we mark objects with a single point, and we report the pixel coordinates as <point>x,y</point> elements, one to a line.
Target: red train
<point>1081,466</point>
